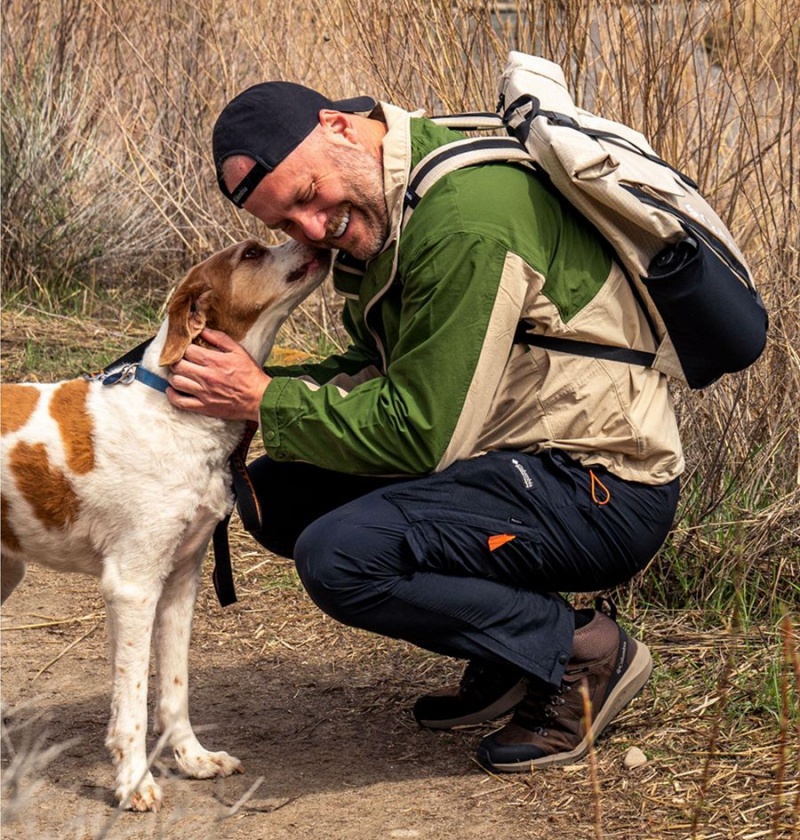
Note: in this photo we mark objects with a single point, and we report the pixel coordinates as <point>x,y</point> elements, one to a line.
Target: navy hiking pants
<point>467,562</point>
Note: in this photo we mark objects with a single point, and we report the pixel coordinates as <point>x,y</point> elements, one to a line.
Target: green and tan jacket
<point>432,374</point>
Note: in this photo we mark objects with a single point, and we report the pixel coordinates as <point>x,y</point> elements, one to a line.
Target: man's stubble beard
<point>364,182</point>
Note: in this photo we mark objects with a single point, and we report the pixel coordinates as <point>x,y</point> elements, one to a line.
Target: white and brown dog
<point>116,482</point>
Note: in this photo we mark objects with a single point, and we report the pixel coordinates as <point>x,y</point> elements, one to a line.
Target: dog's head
<point>247,291</point>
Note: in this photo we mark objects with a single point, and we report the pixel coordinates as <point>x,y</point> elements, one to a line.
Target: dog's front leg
<point>173,631</point>
<point>130,609</point>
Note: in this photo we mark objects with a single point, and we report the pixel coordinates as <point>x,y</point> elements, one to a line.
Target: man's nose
<point>313,223</point>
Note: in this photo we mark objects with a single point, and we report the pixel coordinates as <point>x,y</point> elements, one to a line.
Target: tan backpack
<point>687,272</point>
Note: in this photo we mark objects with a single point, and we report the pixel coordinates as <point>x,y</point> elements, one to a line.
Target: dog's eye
<point>253,253</point>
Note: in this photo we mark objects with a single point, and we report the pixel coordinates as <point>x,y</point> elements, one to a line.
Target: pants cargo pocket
<point>473,546</point>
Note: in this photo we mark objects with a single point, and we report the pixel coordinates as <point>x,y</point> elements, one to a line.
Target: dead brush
<point>27,755</point>
<point>133,90</point>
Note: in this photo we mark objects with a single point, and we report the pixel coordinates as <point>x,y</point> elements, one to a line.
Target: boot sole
<point>513,697</point>
<point>630,685</point>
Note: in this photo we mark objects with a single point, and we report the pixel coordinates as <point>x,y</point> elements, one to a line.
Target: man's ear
<point>338,125</point>
<point>187,315</point>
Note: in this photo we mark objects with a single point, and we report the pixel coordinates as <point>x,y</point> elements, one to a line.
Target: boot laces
<point>539,709</point>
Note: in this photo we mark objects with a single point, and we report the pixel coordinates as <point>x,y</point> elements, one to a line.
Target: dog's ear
<point>187,315</point>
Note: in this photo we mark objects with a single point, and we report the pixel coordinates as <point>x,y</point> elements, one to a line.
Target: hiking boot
<point>548,727</point>
<point>485,692</point>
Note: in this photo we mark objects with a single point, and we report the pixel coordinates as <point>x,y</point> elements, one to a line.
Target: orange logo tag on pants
<point>499,539</point>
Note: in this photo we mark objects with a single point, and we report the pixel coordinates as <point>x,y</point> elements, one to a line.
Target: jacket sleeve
<point>360,355</point>
<point>402,423</point>
<point>350,363</point>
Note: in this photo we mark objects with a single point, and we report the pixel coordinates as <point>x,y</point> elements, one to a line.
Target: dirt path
<point>277,685</point>
<point>319,715</point>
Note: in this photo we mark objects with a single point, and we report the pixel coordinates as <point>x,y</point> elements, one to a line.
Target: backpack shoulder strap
<point>470,152</point>
<point>590,349</point>
<point>471,121</point>
<point>458,155</point>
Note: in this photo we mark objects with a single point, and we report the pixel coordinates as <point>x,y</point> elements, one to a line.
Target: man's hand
<point>221,381</point>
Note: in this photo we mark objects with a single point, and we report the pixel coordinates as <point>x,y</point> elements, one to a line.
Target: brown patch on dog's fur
<point>204,299</point>
<point>187,316</point>
<point>18,403</point>
<point>7,533</point>
<point>68,409</point>
<point>46,489</point>
<point>237,322</point>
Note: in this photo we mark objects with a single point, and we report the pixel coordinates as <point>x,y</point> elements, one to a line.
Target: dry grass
<point>722,761</point>
<point>107,187</point>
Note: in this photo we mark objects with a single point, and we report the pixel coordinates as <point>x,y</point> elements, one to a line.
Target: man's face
<point>327,193</point>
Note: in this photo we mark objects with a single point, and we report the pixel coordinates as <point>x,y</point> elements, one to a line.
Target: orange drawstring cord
<point>595,484</point>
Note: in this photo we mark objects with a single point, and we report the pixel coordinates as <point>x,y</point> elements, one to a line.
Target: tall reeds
<point>107,180</point>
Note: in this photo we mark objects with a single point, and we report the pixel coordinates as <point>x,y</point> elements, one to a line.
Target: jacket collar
<point>396,148</point>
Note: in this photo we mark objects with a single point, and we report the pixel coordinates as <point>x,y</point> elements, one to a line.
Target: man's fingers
<point>184,384</point>
<point>220,340</point>
<point>198,355</point>
<point>219,380</point>
<point>220,343</point>
<point>187,376</point>
<point>181,399</point>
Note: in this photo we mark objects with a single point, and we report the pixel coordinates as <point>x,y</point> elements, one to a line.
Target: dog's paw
<point>201,764</point>
<point>146,796</point>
